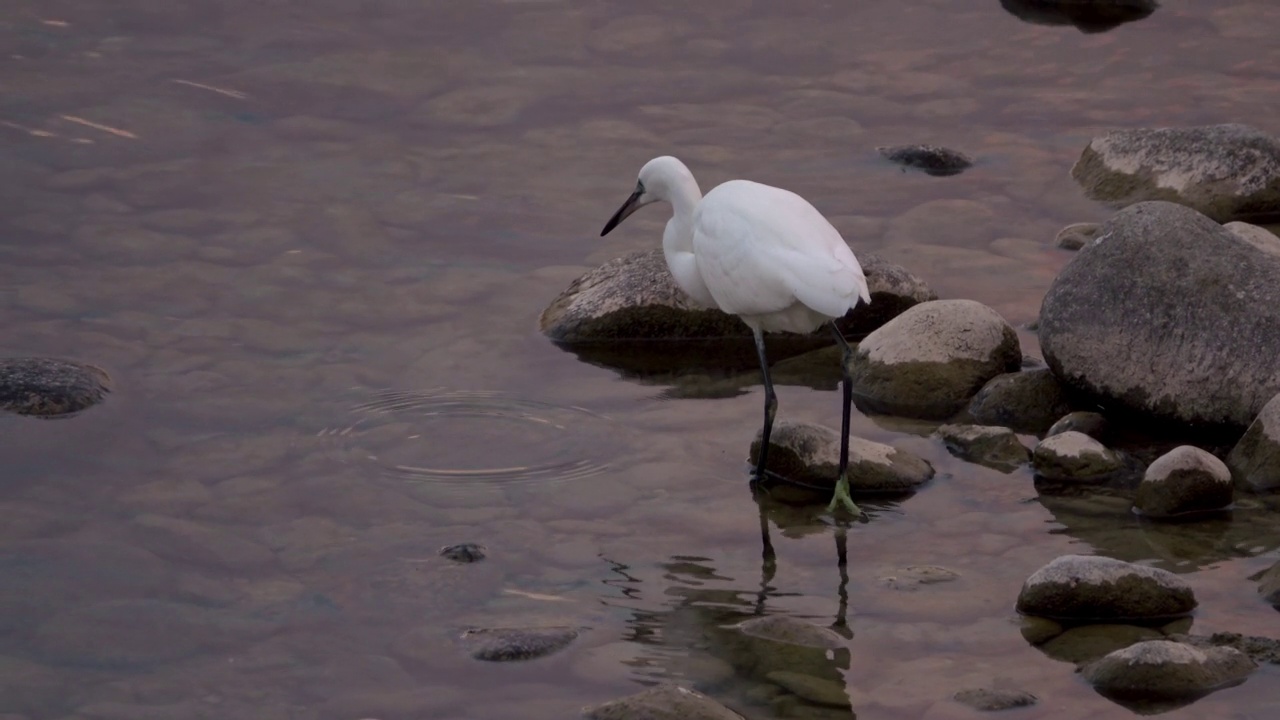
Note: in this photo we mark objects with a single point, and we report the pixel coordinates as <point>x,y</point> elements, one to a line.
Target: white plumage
<point>759,252</point>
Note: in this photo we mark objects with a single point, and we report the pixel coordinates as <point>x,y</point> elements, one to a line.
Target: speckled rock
<point>1028,401</point>
<point>1082,421</point>
<point>517,643</point>
<point>662,702</point>
<point>1074,457</point>
<point>1076,236</point>
<point>1169,316</point>
<point>810,455</point>
<point>931,359</point>
<point>994,447</point>
<point>635,298</point>
<point>931,159</point>
<point>994,700</point>
<point>794,631</point>
<point>1255,459</point>
<point>1101,589</point>
<point>1224,171</point>
<point>1163,669</point>
<point>1259,649</point>
<point>1088,16</point>
<point>48,387</point>
<point>1184,480</point>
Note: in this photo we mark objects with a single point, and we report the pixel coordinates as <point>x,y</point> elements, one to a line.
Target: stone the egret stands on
<point>765,255</point>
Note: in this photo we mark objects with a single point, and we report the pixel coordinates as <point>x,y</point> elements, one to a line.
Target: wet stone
<point>932,159</point>
<point>991,700</point>
<point>1184,480</point>
<point>1099,589</point>
<point>1074,457</point>
<point>913,577</point>
<point>1255,459</point>
<point>809,455</point>
<point>1076,236</point>
<point>786,629</point>
<point>513,644</point>
<point>1089,423</point>
<point>463,552</point>
<point>1260,649</point>
<point>1087,16</point>
<point>930,360</point>
<point>47,387</point>
<point>663,702</point>
<point>995,447</point>
<point>1167,670</point>
<point>1090,642</point>
<point>1027,401</point>
<point>817,690</point>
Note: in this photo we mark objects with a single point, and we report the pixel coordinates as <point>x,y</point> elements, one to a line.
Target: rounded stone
<point>1167,670</point>
<point>517,643</point>
<point>1082,421</point>
<point>1028,401</point>
<point>1088,16</point>
<point>928,361</point>
<point>1101,589</point>
<point>1182,481</point>
<point>1074,456</point>
<point>1255,459</point>
<point>666,701</point>
<point>48,387</point>
<point>992,700</point>
<point>995,447</point>
<point>1076,236</point>
<point>931,159</point>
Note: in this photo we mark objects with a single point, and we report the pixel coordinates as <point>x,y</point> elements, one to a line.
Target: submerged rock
<point>1167,670</point>
<point>1090,423</point>
<point>1076,457</point>
<point>794,631</point>
<point>933,160</point>
<point>810,455</point>
<point>1269,585</point>
<point>1088,16</point>
<point>635,298</point>
<point>47,387</point>
<point>1259,649</point>
<point>1074,237</point>
<point>995,447</point>
<point>1100,589</point>
<point>1224,171</point>
<point>517,643</point>
<point>817,690</point>
<point>994,700</point>
<point>931,359</point>
<point>463,552</point>
<point>1028,401</point>
<point>662,702</point>
<point>1087,643</point>
<point>1255,459</point>
<point>1168,315</point>
<point>1184,480</point>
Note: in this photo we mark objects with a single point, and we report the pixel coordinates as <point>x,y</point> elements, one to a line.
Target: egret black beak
<point>631,205</point>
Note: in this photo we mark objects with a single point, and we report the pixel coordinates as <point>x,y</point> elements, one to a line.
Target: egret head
<point>660,179</point>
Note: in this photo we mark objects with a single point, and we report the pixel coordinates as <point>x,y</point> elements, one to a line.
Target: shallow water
<point>310,242</point>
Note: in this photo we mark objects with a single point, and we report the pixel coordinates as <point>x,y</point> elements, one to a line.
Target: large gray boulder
<point>931,359</point>
<point>1255,460</point>
<point>1168,314</point>
<point>1224,171</point>
<point>1102,589</point>
<point>635,298</point>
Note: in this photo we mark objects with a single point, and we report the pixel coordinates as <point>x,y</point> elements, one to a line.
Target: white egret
<point>761,253</point>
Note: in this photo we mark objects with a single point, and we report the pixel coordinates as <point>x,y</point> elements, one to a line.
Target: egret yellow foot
<point>841,498</point>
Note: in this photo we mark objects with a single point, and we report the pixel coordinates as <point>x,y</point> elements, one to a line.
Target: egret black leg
<point>841,496</point>
<point>770,408</point>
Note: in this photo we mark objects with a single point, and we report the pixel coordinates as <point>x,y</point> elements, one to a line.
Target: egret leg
<point>770,408</point>
<point>841,496</point>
